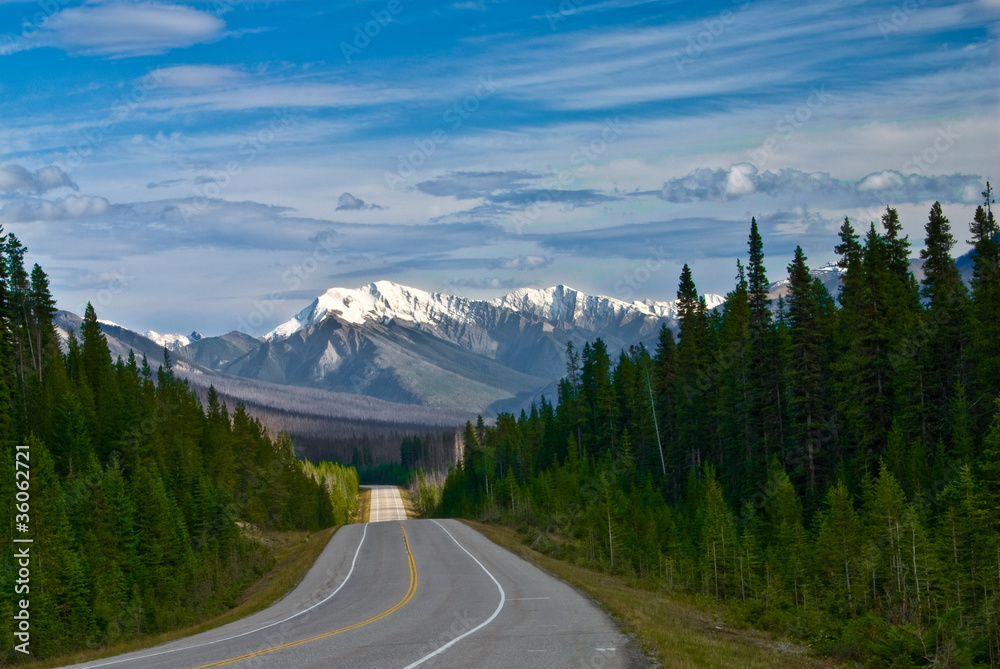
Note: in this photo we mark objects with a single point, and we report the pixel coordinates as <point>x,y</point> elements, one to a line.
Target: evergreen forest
<point>145,505</point>
<point>826,464</point>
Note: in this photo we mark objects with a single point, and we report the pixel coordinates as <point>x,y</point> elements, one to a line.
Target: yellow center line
<point>403,602</point>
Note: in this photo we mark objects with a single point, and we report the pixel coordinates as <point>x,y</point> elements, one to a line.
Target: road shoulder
<point>294,559</point>
<point>671,629</point>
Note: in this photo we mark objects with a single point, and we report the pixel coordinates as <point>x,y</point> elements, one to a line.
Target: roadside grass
<point>681,632</point>
<point>294,554</point>
<point>408,505</point>
<point>364,505</point>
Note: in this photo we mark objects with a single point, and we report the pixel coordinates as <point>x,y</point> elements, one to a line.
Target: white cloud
<point>283,96</point>
<point>523,262</point>
<point>14,178</point>
<point>196,76</point>
<point>69,207</point>
<point>819,188</point>
<point>881,181</point>
<point>347,202</point>
<point>130,29</point>
<point>739,180</point>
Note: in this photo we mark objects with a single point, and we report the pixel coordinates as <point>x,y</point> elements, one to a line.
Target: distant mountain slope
<point>403,344</point>
<point>829,275</point>
<point>277,399</point>
<point>215,352</point>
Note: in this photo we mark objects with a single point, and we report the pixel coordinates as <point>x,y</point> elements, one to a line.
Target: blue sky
<point>215,165</point>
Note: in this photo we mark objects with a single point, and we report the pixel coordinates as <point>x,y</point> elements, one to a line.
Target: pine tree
<point>838,549</point>
<point>718,543</point>
<point>984,354</point>
<point>866,401</point>
<point>690,367</point>
<point>808,310</point>
<point>898,248</point>
<point>598,398</point>
<point>8,382</point>
<point>664,386</point>
<point>42,308</point>
<point>945,352</point>
<point>787,545</point>
<point>569,397</point>
<point>95,361</point>
<point>15,280</point>
<point>757,286</point>
<point>733,402</point>
<point>849,249</point>
<point>767,403</point>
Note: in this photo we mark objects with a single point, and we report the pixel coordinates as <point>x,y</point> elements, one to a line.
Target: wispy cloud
<point>197,76</point>
<point>482,283</point>
<point>522,262</point>
<point>471,185</point>
<point>720,121</point>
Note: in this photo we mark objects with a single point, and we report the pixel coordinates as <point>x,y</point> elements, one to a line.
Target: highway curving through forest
<point>400,594</point>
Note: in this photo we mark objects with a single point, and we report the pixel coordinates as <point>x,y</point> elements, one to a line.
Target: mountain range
<point>450,355</point>
<point>405,345</point>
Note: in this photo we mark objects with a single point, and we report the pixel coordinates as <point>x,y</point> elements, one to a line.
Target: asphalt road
<point>407,594</point>
<point>386,504</point>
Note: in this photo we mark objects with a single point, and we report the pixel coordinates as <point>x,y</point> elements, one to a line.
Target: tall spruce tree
<point>766,390</point>
<point>984,342</point>
<point>690,366</point>
<point>732,412</point>
<point>945,353</point>
<point>809,308</point>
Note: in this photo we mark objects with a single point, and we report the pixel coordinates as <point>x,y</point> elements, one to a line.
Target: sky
<point>214,166</point>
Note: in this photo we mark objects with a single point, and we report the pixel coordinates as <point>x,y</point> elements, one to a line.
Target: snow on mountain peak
<point>385,300</point>
<point>377,301</point>
<point>170,341</point>
<point>828,274</point>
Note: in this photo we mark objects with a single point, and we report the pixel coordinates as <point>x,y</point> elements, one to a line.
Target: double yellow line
<point>400,604</point>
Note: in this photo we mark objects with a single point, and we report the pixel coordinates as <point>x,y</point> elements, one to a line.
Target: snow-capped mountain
<point>829,275</point>
<point>383,301</point>
<point>403,344</point>
<point>173,342</point>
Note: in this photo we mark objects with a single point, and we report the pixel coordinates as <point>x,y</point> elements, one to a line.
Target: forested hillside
<point>829,464</point>
<point>138,494</point>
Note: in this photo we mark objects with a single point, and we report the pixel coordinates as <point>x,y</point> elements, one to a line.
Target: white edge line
<point>253,631</point>
<point>503,598</point>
